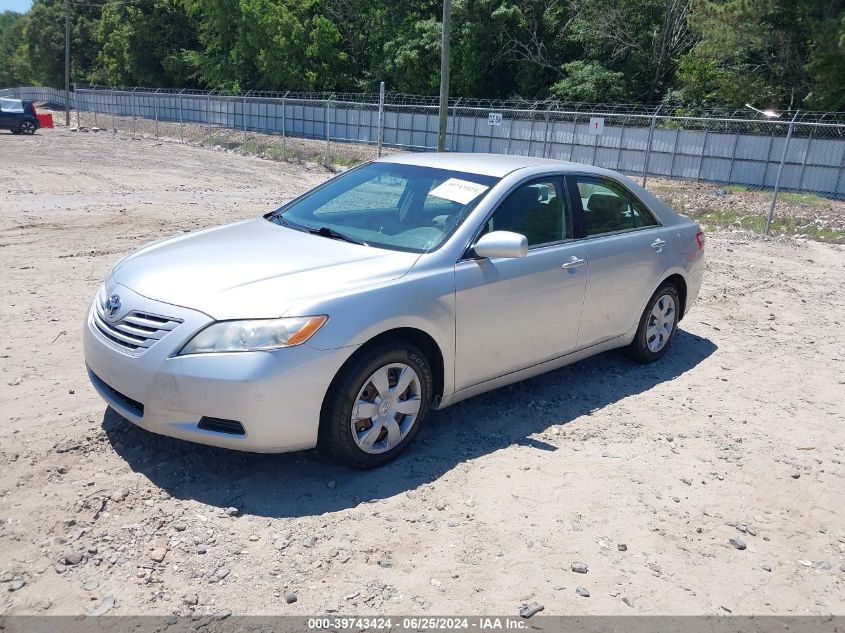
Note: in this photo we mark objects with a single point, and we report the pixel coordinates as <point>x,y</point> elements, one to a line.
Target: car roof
<point>497,165</point>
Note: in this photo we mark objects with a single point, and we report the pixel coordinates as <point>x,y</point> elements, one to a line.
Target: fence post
<point>780,171</point>
<point>572,141</point>
<point>546,135</point>
<point>132,108</point>
<point>244,113</point>
<point>76,104</point>
<point>155,107</point>
<point>181,133</point>
<point>284,127</point>
<point>648,147</point>
<point>113,110</point>
<point>327,124</point>
<point>96,102</point>
<point>455,125</point>
<point>208,114</point>
<point>380,131</point>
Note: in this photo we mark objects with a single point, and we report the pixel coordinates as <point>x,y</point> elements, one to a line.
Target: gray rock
<point>738,543</point>
<point>232,511</point>
<point>309,541</point>
<point>281,543</point>
<point>628,602</point>
<point>222,615</point>
<point>765,567</point>
<point>825,565</point>
<point>68,446</point>
<point>105,606</point>
<point>119,495</point>
<point>72,558</point>
<point>290,597</point>
<point>179,526</point>
<point>676,499</point>
<point>221,573</point>
<point>579,568</point>
<point>440,505</point>
<point>201,549</point>
<point>750,529</point>
<point>527,610</point>
<point>581,591</point>
<point>16,584</point>
<point>796,475</point>
<point>190,599</point>
<point>158,554</point>
<point>622,547</point>
<point>90,585</point>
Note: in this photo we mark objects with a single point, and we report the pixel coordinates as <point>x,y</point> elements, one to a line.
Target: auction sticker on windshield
<point>457,190</point>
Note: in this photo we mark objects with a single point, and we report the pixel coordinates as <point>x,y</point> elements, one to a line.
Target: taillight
<point>699,237</point>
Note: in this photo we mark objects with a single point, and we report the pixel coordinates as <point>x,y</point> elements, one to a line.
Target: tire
<point>388,431</point>
<point>27,127</point>
<point>659,319</point>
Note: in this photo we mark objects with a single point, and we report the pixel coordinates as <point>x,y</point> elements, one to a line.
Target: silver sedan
<point>404,285</point>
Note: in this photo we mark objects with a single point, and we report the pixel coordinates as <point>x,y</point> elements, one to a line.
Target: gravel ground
<point>708,483</point>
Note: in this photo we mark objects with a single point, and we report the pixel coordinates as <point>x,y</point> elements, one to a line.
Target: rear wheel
<point>27,127</point>
<point>658,325</point>
<point>376,405</point>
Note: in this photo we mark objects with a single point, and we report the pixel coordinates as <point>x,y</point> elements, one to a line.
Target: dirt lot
<point>642,473</point>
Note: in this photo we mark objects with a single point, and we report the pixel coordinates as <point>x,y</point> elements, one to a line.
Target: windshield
<point>389,205</point>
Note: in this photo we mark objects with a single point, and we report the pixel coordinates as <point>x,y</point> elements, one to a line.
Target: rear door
<point>6,115</point>
<point>628,252</point>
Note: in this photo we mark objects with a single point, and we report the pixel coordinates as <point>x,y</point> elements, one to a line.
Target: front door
<point>514,313</point>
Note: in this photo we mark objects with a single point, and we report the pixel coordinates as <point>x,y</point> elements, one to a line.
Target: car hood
<point>254,269</point>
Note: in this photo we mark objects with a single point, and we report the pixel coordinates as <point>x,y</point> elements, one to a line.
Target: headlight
<point>255,335</point>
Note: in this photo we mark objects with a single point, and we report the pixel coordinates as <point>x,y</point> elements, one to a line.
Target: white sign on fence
<point>494,118</point>
<point>597,125</point>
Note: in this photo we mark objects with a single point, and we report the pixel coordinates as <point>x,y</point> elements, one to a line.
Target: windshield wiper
<point>335,235</point>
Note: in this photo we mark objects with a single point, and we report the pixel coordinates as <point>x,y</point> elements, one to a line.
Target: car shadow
<point>307,483</point>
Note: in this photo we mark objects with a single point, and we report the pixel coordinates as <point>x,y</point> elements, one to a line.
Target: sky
<point>21,6</point>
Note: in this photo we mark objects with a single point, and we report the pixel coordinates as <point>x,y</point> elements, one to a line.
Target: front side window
<point>389,205</point>
<point>538,210</point>
<point>609,207</point>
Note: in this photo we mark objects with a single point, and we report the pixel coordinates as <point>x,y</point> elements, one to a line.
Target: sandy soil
<point>644,474</point>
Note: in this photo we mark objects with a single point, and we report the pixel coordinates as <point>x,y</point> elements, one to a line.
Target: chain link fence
<point>799,152</point>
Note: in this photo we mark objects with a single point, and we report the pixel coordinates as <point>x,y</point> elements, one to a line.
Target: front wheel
<point>27,127</point>
<point>658,325</point>
<point>376,405</point>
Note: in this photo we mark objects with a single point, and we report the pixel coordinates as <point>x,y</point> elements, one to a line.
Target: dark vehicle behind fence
<point>18,116</point>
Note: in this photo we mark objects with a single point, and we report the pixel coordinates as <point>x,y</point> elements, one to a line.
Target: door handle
<point>573,262</point>
<point>658,244</point>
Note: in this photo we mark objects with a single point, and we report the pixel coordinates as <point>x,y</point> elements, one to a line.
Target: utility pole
<point>67,63</point>
<point>444,75</point>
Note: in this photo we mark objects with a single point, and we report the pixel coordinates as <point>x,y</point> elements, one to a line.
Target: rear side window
<point>610,208</point>
<point>11,106</point>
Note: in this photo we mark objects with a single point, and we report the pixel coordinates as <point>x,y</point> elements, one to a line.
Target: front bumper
<point>276,396</point>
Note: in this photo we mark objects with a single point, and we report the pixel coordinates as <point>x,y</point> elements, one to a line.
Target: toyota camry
<point>405,285</point>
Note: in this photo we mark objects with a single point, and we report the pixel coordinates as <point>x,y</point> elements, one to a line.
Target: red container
<point>46,120</point>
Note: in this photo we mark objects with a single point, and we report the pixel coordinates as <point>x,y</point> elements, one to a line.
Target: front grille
<point>219,425</point>
<point>133,406</point>
<point>136,331</point>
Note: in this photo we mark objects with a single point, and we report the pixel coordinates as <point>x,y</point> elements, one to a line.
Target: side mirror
<point>501,244</point>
